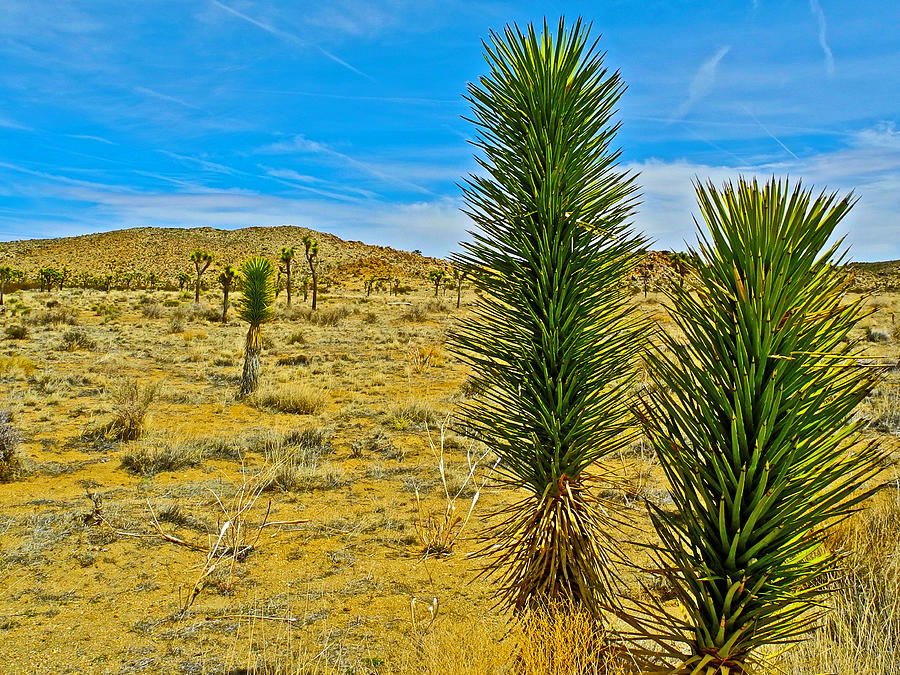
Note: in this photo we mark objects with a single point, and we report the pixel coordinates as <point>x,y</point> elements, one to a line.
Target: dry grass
<point>860,634</point>
<point>299,398</point>
<point>10,462</point>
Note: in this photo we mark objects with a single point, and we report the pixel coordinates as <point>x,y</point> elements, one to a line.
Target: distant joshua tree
<point>183,279</point>
<point>47,277</point>
<point>311,247</point>
<point>226,281</point>
<point>287,257</point>
<point>681,263</point>
<point>152,280</point>
<point>436,277</point>
<point>459,276</point>
<point>255,307</point>
<point>202,260</point>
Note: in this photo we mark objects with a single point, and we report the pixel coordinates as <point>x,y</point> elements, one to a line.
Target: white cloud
<point>817,11</point>
<point>703,81</point>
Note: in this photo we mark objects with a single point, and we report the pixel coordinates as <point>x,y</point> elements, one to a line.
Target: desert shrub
<point>149,460</point>
<point>76,338</point>
<point>472,386</point>
<point>296,360</point>
<point>376,442</point>
<point>55,316</point>
<point>414,416</point>
<point>426,356</point>
<point>296,338</point>
<point>171,303</point>
<point>877,335</point>
<point>130,404</point>
<point>298,478</point>
<point>881,410</point>
<point>300,398</point>
<point>414,314</point>
<point>16,331</point>
<point>330,316</point>
<point>152,310</point>
<point>178,320</point>
<point>10,462</point>
<point>15,365</point>
<point>295,462</point>
<point>369,318</point>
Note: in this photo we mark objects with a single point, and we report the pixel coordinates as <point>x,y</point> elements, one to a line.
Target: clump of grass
<point>76,338</point>
<point>55,316</point>
<point>10,462</point>
<point>376,442</point>
<point>860,634</point>
<point>299,398</point>
<point>130,404</point>
<point>415,314</point>
<point>16,331</point>
<point>16,365</point>
<point>426,356</point>
<point>877,335</point>
<point>414,416</point>
<point>295,463</point>
<point>152,310</point>
<point>296,338</point>
<point>149,460</point>
<point>331,316</point>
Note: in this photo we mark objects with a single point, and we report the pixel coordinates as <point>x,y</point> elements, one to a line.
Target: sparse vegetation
<point>10,462</point>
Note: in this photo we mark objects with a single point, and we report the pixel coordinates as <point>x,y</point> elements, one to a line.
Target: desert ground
<point>338,555</point>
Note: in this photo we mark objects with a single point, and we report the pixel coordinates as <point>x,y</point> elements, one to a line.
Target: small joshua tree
<point>752,421</point>
<point>459,276</point>
<point>202,260</point>
<point>226,281</point>
<point>681,263</point>
<point>287,257</point>
<point>255,307</point>
<point>436,277</point>
<point>311,247</point>
<point>183,279</point>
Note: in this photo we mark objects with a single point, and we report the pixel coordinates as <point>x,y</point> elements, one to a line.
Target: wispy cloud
<point>817,11</point>
<point>7,123</point>
<point>301,144</point>
<point>146,91</point>
<point>769,133</point>
<point>703,81</point>
<point>288,36</point>
<point>88,137</point>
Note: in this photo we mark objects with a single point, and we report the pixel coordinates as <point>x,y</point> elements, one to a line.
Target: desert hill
<point>166,250</point>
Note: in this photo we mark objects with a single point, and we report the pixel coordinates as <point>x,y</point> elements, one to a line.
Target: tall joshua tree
<point>311,250</point>
<point>553,340</point>
<point>202,260</point>
<point>255,307</point>
<point>226,282</point>
<point>459,276</point>
<point>287,257</point>
<point>752,423</point>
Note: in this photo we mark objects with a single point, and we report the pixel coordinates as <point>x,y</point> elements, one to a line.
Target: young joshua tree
<point>202,260</point>
<point>255,307</point>
<point>226,281</point>
<point>459,276</point>
<point>311,247</point>
<point>752,422</point>
<point>553,340</point>
<point>436,277</point>
<point>287,257</point>
<point>183,279</point>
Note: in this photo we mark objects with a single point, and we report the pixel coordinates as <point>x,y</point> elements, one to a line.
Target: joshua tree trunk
<point>287,275</point>
<point>252,349</point>
<point>225,305</point>
<point>315,285</point>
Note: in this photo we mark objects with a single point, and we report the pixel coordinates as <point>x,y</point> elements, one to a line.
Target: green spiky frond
<point>752,422</point>
<point>255,305</point>
<point>552,340</point>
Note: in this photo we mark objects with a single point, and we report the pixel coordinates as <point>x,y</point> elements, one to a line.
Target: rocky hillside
<point>165,251</point>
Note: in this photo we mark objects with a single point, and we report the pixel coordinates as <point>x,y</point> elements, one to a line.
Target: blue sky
<point>345,116</point>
